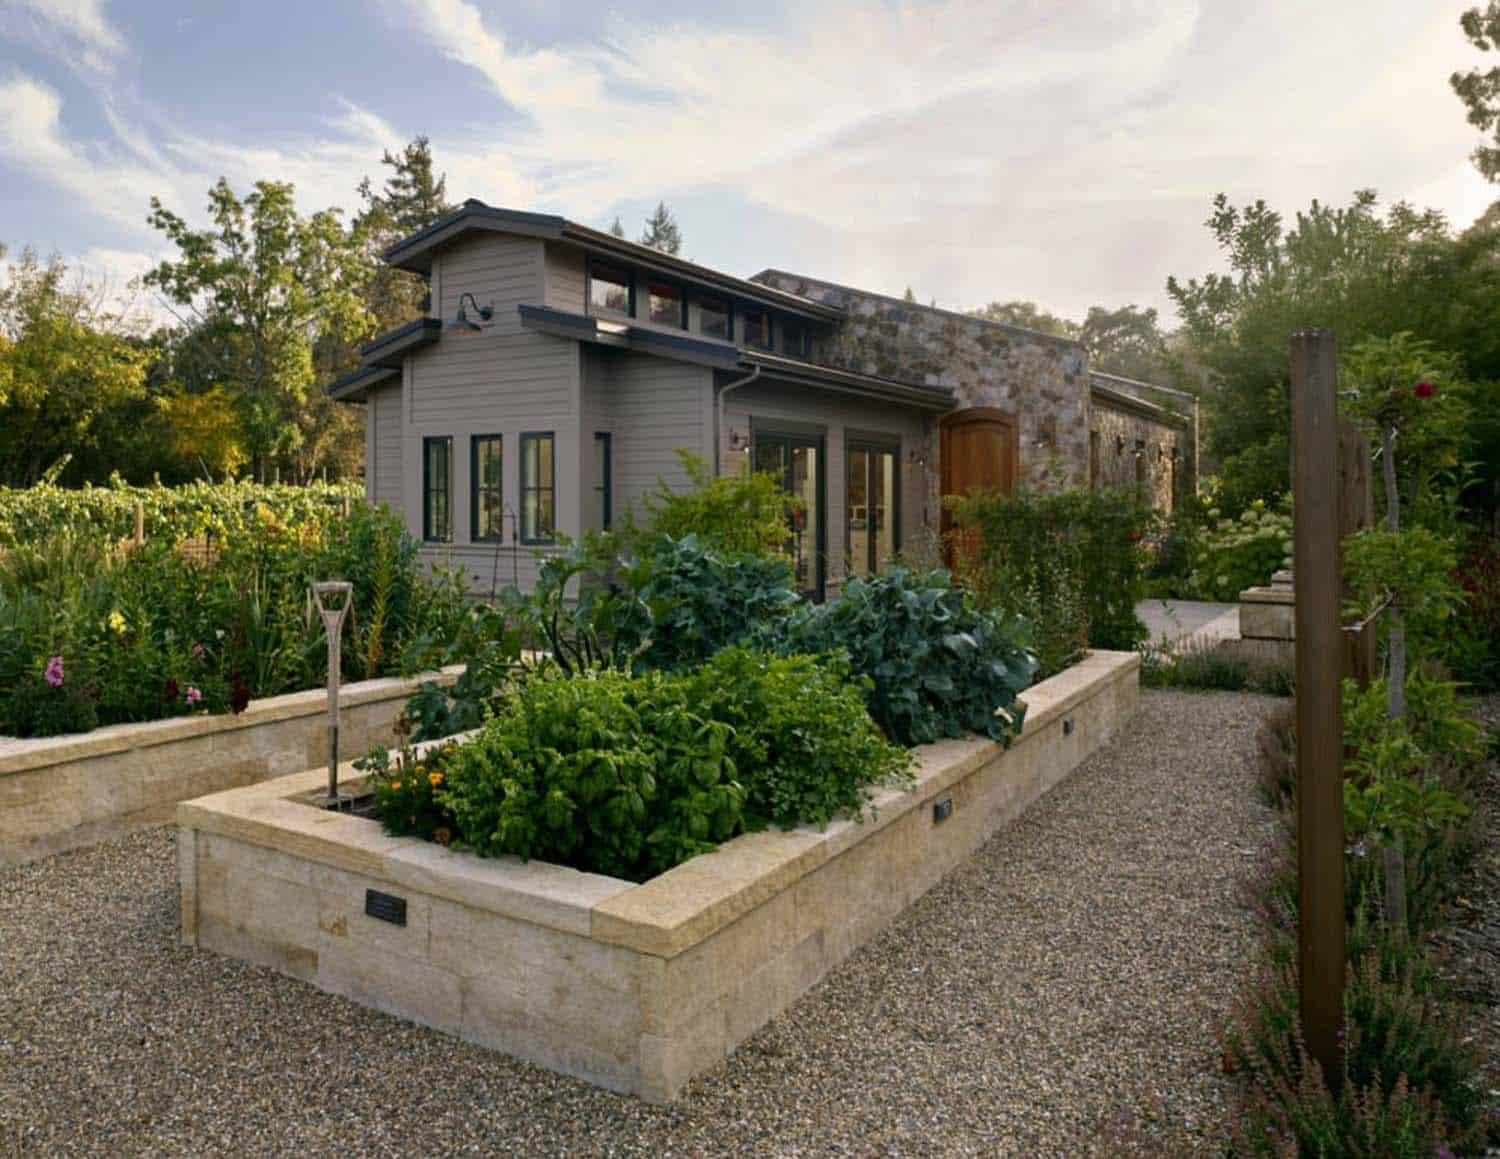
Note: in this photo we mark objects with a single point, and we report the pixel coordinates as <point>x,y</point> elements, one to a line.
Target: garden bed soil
<point>632,987</point>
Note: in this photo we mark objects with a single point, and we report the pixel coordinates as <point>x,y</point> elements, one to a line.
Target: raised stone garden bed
<point>61,792</point>
<point>632,987</point>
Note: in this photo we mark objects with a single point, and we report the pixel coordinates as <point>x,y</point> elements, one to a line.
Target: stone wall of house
<point>1130,416</point>
<point>1040,379</point>
<point>1129,450</point>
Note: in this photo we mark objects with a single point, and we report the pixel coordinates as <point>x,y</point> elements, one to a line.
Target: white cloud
<point>75,31</point>
<point>972,149</point>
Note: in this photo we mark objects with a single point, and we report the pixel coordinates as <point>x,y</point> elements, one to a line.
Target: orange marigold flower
<point>434,779</point>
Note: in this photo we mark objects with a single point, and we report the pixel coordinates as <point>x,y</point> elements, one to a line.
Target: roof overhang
<point>628,336</point>
<point>937,399</point>
<point>415,253</point>
<point>1119,400</point>
<point>391,347</point>
<point>356,385</point>
<point>625,335</point>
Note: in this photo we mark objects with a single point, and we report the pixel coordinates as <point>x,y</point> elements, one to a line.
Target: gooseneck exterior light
<point>333,598</point>
<point>463,324</point>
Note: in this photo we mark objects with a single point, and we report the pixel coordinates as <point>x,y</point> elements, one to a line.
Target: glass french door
<point>871,508</point>
<point>797,461</point>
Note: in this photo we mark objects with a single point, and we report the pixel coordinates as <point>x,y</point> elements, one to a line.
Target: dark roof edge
<point>393,343</point>
<point>1039,335</point>
<point>353,386</point>
<point>1142,384</point>
<point>1119,400</point>
<point>415,252</point>
<point>935,398</point>
<point>625,335</point>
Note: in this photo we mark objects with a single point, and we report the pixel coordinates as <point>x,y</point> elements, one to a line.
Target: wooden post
<point>1356,512</point>
<point>140,523</point>
<point>1320,779</point>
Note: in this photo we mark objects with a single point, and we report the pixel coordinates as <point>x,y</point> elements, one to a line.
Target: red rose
<point>1135,537</point>
<point>239,695</point>
<point>1424,389</point>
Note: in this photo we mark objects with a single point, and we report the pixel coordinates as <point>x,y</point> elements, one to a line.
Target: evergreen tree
<point>617,230</point>
<point>662,232</point>
<point>909,296</point>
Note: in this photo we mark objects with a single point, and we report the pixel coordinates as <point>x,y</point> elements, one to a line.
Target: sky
<point>1064,153</point>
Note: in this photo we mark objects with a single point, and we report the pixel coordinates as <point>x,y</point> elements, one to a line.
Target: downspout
<point>719,394</point>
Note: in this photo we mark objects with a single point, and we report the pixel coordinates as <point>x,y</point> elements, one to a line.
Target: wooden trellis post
<point>1320,657</point>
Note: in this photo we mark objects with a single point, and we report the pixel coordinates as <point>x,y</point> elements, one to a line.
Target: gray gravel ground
<point>1072,972</point>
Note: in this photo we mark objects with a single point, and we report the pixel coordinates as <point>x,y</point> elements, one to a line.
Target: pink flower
<point>193,695</point>
<point>1424,389</point>
<point>54,673</point>
<point>198,651</point>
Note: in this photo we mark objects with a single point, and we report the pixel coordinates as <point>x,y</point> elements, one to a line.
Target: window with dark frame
<point>713,318</point>
<point>611,290</point>
<point>437,488</point>
<point>667,305</point>
<point>604,498</point>
<point>486,510</point>
<point>538,495</point>
<point>758,329</point>
<point>872,506</point>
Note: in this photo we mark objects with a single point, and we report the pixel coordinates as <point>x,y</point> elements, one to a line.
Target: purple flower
<point>198,651</point>
<point>193,695</point>
<point>54,673</point>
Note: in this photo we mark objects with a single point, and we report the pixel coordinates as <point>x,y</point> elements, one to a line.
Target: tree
<point>1405,391</point>
<point>1126,341</point>
<point>909,296</point>
<point>67,367</point>
<point>662,232</point>
<point>1028,316</point>
<point>258,286</point>
<point>1480,89</point>
<point>1350,269</point>
<point>617,229</point>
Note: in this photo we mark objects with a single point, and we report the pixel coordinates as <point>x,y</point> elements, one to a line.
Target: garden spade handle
<point>333,598</point>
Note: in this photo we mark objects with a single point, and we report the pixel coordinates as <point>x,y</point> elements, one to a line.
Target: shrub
<point>1218,666</point>
<point>802,740</point>
<point>748,512</point>
<point>144,632</point>
<point>701,600</point>
<point>629,775</point>
<point>936,665</point>
<point>107,514</point>
<point>1235,554</point>
<point>1472,651</point>
<point>1071,563</point>
<point>605,772</point>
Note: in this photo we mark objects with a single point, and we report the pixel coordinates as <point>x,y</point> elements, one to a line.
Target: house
<point>560,369</point>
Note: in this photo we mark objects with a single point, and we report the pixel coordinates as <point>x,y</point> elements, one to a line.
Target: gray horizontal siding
<point>654,407</point>
<point>384,415</point>
<point>566,284</point>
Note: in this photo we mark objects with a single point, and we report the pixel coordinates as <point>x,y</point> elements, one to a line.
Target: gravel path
<point>1075,967</point>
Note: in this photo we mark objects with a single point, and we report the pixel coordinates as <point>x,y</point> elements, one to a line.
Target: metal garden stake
<point>333,598</point>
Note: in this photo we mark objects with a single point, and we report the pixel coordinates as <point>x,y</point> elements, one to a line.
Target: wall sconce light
<point>1047,435</point>
<point>737,441</point>
<point>1119,444</point>
<point>917,458</point>
<point>463,324</point>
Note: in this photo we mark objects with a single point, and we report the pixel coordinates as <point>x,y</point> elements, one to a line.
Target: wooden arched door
<point>979,450</point>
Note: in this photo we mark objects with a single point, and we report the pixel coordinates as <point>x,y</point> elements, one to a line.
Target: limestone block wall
<point>1040,378</point>
<point>59,793</point>
<point>632,987</point>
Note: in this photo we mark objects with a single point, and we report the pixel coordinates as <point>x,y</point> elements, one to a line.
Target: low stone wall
<point>59,793</point>
<point>632,987</point>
